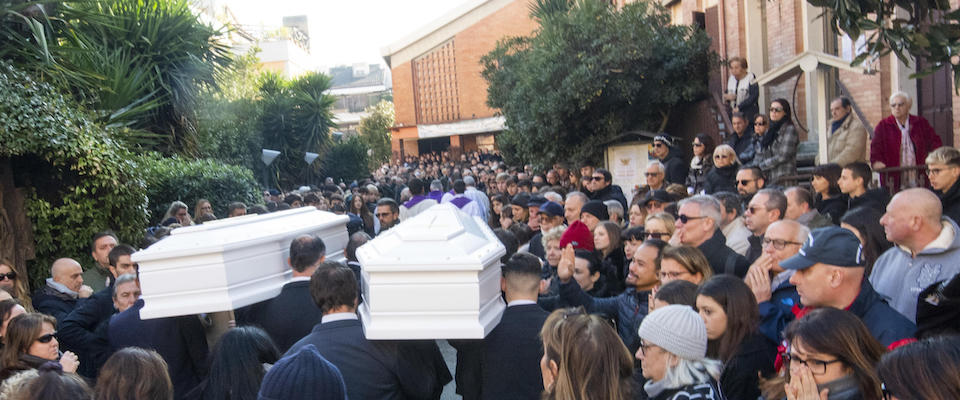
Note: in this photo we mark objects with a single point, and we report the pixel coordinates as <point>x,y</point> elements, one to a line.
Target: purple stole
<point>460,201</point>
<point>414,200</point>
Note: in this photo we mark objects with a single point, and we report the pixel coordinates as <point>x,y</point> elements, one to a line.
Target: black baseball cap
<point>832,245</point>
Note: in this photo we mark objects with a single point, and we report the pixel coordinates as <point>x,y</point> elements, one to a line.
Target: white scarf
<point>741,87</point>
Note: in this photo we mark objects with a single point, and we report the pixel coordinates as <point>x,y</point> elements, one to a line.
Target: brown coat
<point>848,143</point>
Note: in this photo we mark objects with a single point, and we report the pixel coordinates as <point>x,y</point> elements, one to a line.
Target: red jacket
<point>885,146</point>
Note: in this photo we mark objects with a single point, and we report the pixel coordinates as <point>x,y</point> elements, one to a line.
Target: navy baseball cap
<point>536,201</point>
<point>552,209</point>
<point>832,245</point>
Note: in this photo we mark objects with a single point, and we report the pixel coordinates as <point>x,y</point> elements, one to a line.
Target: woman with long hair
<point>177,213</point>
<point>583,358</point>
<point>673,355</point>
<point>203,207</point>
<point>925,370</point>
<point>659,226</point>
<point>31,341</point>
<point>497,202</point>
<point>723,176</point>
<point>777,146</point>
<point>237,365</point>
<point>865,223</point>
<point>701,163</point>
<point>15,284</point>
<point>729,311</point>
<point>829,201</point>
<point>607,241</point>
<point>828,351</point>
<point>359,208</point>
<point>685,263</point>
<point>133,373</point>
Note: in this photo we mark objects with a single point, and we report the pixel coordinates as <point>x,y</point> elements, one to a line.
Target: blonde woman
<point>659,226</point>
<point>723,176</point>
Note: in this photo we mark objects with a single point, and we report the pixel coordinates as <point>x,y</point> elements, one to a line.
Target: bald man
<point>927,249</point>
<point>64,287</point>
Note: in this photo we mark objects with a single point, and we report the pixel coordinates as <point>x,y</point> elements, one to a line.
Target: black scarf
<point>767,139</point>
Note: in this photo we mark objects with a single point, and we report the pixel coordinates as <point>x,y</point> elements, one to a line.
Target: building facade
<point>439,94</point>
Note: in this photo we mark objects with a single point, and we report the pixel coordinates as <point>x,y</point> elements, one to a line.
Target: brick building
<point>438,92</point>
<point>774,35</point>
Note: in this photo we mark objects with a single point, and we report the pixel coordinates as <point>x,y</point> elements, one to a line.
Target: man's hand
<point>879,165</point>
<point>85,291</point>
<point>758,277</point>
<point>565,266</point>
<point>730,97</point>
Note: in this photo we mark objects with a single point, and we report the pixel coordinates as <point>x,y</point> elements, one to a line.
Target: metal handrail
<point>722,112</point>
<point>798,179</point>
<point>856,108</point>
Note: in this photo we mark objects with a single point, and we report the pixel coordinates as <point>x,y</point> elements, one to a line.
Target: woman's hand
<point>803,387</point>
<point>69,362</point>
<point>565,266</point>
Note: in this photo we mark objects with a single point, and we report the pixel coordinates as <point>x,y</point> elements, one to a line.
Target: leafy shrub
<point>77,180</point>
<point>347,160</point>
<point>170,179</point>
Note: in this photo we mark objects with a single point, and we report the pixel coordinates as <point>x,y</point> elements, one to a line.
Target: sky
<point>343,32</point>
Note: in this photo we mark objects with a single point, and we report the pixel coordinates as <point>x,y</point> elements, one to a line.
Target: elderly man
<point>698,225</point>
<point>927,249</point>
<point>902,140</point>
<point>830,273</point>
<point>477,195</point>
<point>550,215</point>
<point>675,168</point>
<point>769,282</point>
<point>800,208</point>
<point>64,287</point>
<point>749,181</point>
<point>732,226</point>
<point>654,175</point>
<point>743,92</point>
<point>847,141</point>
<point>943,169</point>
<point>767,206</point>
<point>572,206</point>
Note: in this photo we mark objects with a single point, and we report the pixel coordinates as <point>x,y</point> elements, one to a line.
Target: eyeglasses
<point>817,367</point>
<point>644,347</point>
<point>653,204</point>
<point>777,243</point>
<point>672,275</point>
<point>937,171</point>
<point>745,182</point>
<point>761,123</point>
<point>683,218</point>
<point>47,338</point>
<point>381,215</point>
<point>9,275</point>
<point>653,235</point>
<point>755,209</point>
<point>776,109</point>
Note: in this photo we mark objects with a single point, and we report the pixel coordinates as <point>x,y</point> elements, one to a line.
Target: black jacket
<point>951,201</point>
<point>721,179</point>
<point>676,168</point>
<point>833,208</point>
<point>743,146</point>
<point>84,331</point>
<point>873,198</point>
<point>723,260</point>
<point>756,248</point>
<point>536,246</point>
<point>611,192</point>
<point>379,369</point>
<point>181,341</point>
<point>53,302</point>
<point>616,265</point>
<point>938,309</point>
<point>628,309</point>
<point>287,318</point>
<point>739,377</point>
<point>511,355</point>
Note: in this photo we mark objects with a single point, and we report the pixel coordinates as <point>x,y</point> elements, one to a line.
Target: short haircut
<point>731,202</point>
<point>607,177</point>
<point>614,207</point>
<point>98,235</point>
<point>592,259</point>
<point>739,60</point>
<point>678,292</point>
<point>333,285</point>
<point>305,251</point>
<point>658,164</point>
<point>860,169</point>
<point>436,185</point>
<point>709,207</point>
<point>125,278</point>
<point>756,171</point>
<point>738,115</point>
<point>509,242</point>
<point>311,198</point>
<point>293,198</point>
<point>802,195</point>
<point>238,206</point>
<point>119,251</point>
<point>844,101</point>
<point>633,233</point>
<point>579,196</point>
<point>386,201</point>
<point>522,264</point>
<point>357,239</point>
<point>944,155</point>
<point>903,95</point>
<point>459,187</point>
<point>469,181</point>
<point>521,231</point>
<point>416,186</point>
<point>553,234</point>
<point>776,200</point>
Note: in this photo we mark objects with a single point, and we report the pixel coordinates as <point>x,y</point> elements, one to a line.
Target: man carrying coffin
<point>372,370</point>
<point>291,315</point>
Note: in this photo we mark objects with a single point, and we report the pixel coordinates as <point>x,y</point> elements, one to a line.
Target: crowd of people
<point>710,281</point>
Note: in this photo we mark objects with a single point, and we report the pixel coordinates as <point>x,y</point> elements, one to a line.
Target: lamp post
<point>267,156</point>
<point>310,158</point>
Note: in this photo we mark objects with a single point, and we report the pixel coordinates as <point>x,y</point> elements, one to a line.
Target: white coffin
<point>230,263</point>
<point>434,276</point>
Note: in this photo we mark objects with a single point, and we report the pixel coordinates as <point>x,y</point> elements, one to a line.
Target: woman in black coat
<point>723,176</point>
<point>828,200</point>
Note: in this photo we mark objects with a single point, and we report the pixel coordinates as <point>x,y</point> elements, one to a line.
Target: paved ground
<point>450,355</point>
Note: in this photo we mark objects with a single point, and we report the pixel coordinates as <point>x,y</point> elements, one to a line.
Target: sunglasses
<point>776,109</point>
<point>683,218</point>
<point>658,145</point>
<point>718,156</point>
<point>745,182</point>
<point>759,123</point>
<point>47,338</point>
<point>9,275</point>
<point>598,178</point>
<point>698,145</point>
<point>588,178</point>
<point>653,235</point>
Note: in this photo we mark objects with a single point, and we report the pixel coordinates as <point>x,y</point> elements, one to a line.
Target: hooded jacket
<point>676,168</point>
<point>611,192</point>
<point>900,277</point>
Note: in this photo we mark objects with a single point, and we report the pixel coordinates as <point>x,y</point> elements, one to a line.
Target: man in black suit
<point>292,314</point>
<point>371,369</point>
<point>512,351</point>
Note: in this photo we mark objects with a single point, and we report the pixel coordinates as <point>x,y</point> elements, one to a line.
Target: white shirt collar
<point>299,278</point>
<point>340,316</point>
<point>520,303</point>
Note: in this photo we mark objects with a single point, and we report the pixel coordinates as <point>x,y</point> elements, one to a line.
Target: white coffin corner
<point>230,263</point>
<point>434,276</point>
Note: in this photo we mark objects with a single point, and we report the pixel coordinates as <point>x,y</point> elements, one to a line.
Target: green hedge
<point>77,179</point>
<point>170,179</point>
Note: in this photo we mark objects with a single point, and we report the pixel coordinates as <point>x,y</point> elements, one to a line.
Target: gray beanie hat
<point>677,329</point>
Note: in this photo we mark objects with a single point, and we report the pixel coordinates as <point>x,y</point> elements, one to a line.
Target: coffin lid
<point>238,232</point>
<point>438,238</point>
